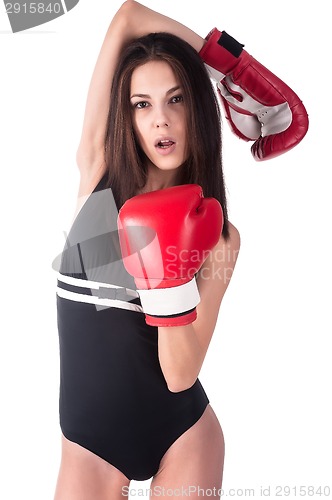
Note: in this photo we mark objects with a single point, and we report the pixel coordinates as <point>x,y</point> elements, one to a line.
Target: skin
<point>132,20</point>
<point>159,110</point>
<point>197,457</point>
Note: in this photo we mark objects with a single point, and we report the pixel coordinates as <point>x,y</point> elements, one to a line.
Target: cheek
<point>139,129</point>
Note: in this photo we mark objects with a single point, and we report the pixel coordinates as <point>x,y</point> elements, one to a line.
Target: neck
<point>160,179</point>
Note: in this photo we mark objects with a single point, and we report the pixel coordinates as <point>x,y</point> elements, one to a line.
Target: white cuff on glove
<point>168,301</point>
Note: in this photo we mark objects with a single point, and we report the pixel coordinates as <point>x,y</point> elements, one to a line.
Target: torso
<point>113,396</point>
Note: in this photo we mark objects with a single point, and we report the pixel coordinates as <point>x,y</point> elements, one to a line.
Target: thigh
<point>194,463</point>
<point>85,476</point>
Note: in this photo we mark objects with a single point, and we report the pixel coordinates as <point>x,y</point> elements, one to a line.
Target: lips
<point>164,142</point>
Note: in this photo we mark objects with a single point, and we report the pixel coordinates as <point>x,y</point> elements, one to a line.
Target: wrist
<point>168,304</point>
<point>221,51</point>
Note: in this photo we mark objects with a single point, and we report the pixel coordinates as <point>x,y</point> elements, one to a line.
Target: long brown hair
<point>126,161</point>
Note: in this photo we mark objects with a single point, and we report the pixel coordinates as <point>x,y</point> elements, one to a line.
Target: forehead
<point>153,74</point>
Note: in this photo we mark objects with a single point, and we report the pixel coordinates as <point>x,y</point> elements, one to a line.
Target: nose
<point>161,119</point>
<point>162,124</point>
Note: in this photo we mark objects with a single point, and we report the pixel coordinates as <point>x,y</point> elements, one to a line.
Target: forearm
<point>143,20</point>
<point>180,356</point>
<point>132,20</point>
<point>91,146</point>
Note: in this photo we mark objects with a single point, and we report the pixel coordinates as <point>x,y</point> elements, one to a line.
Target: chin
<point>166,168</point>
<point>168,165</point>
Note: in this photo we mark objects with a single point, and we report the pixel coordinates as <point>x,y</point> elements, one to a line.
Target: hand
<point>258,105</point>
<point>165,237</point>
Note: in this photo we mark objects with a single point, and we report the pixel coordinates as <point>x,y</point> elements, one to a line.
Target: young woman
<point>131,404</point>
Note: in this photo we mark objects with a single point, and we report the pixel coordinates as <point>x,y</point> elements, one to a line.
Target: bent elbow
<point>179,385</point>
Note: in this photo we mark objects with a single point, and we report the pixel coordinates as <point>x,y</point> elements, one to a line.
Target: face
<point>159,114</point>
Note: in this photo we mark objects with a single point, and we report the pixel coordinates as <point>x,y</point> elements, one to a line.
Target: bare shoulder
<point>89,179</point>
<point>234,240</point>
<point>229,248</point>
<point>218,267</point>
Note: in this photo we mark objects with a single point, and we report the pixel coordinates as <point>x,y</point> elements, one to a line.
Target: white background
<point>268,369</point>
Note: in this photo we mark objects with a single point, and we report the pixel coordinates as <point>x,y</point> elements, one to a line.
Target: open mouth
<point>165,144</point>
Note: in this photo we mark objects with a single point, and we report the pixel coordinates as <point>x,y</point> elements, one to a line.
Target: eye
<point>140,105</point>
<point>176,99</point>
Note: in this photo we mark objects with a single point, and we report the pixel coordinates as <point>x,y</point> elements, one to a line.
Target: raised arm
<point>132,20</point>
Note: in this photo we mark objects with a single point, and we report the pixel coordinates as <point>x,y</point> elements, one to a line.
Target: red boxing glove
<point>258,105</point>
<point>165,236</point>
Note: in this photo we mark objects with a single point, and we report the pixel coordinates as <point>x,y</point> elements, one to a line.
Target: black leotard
<point>114,400</point>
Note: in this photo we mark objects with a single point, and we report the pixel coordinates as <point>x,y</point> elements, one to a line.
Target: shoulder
<point>219,265</point>
<point>226,251</point>
<point>234,240</point>
<point>89,179</point>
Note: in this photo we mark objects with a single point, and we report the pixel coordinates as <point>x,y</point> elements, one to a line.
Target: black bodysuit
<point>114,400</point>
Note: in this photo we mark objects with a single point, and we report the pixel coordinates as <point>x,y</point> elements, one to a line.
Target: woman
<point>131,405</point>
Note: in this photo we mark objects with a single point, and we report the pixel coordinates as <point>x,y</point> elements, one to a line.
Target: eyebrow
<point>146,96</point>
